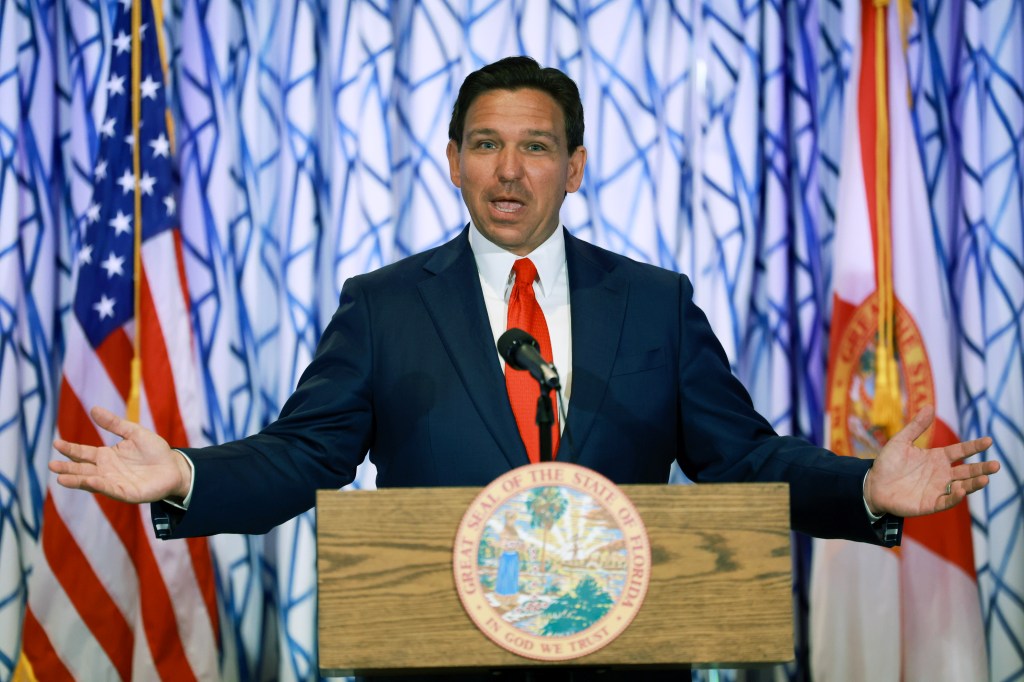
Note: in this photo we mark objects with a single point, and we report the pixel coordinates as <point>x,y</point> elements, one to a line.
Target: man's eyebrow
<point>542,133</point>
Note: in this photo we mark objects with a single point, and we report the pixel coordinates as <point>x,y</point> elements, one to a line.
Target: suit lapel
<point>597,300</point>
<point>455,303</point>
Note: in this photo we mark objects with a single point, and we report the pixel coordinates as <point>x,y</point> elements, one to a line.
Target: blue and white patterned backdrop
<point>310,139</point>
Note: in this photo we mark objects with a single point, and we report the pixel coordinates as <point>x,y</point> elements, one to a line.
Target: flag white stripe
<point>942,615</point>
<point>88,378</point>
<point>143,667</point>
<point>173,314</point>
<point>854,612</point>
<point>101,546</point>
<point>194,626</point>
<point>73,642</point>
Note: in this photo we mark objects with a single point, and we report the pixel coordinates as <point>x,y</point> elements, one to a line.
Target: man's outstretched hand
<point>141,468</point>
<point>909,481</point>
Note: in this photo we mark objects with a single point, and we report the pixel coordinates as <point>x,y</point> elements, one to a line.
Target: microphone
<point>521,351</point>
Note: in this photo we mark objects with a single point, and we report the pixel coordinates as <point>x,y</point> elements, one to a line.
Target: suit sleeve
<point>323,433</point>
<point>725,439</point>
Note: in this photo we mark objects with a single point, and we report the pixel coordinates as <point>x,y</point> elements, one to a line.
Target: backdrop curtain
<point>309,145</point>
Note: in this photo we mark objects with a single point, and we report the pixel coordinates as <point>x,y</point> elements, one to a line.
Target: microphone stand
<point>545,421</point>
<point>522,352</point>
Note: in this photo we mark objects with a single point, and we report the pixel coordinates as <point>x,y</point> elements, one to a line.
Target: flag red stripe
<point>158,616</point>
<point>72,421</point>
<point>46,664</point>
<point>157,377</point>
<point>202,564</point>
<point>157,611</point>
<point>83,588</point>
<point>179,254</point>
<point>70,565</point>
<point>842,313</point>
<point>115,353</point>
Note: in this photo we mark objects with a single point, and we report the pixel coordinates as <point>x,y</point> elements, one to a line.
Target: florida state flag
<point>911,613</point>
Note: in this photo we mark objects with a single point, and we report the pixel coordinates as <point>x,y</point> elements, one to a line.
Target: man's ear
<point>577,162</point>
<point>452,152</point>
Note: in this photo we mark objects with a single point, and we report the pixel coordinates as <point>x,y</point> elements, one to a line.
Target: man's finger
<point>953,499</point>
<point>87,483</point>
<point>964,450</point>
<point>918,425</point>
<point>75,451</point>
<point>968,478</point>
<point>109,421</point>
<point>70,481</point>
<point>63,467</point>
<point>972,469</point>
<point>90,484</point>
<point>973,485</point>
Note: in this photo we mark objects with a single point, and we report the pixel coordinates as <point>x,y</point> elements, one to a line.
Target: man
<point>407,368</point>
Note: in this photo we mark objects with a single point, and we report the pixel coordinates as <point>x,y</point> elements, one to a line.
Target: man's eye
<point>535,147</point>
<point>487,144</point>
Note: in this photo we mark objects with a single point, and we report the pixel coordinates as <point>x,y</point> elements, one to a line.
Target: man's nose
<point>510,165</point>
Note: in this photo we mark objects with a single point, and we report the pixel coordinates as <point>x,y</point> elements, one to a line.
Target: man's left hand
<point>910,481</point>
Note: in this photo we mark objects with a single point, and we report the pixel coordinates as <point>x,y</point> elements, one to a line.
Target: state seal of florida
<point>552,561</point>
<point>851,385</point>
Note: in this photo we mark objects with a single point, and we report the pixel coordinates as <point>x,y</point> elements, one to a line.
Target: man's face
<point>514,167</point>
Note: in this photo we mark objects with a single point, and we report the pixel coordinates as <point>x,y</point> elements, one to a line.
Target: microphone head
<point>509,343</point>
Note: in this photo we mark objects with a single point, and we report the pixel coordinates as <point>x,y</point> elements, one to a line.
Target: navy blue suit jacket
<point>407,370</point>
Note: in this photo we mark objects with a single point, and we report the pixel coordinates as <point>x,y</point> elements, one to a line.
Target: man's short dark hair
<point>515,73</point>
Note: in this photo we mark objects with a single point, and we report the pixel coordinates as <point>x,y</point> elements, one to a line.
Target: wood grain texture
<point>719,591</point>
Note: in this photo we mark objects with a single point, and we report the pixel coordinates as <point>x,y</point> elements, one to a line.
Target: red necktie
<point>523,390</point>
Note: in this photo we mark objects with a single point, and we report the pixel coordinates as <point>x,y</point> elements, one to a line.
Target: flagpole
<point>886,410</point>
<point>133,407</point>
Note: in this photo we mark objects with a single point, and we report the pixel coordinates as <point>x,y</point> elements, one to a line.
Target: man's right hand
<point>141,468</point>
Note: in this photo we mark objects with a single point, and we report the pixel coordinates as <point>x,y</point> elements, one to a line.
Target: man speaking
<point>408,371</point>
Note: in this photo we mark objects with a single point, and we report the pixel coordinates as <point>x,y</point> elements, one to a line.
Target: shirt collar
<point>495,263</point>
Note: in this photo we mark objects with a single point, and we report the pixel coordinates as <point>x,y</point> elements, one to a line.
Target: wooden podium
<point>720,590</point>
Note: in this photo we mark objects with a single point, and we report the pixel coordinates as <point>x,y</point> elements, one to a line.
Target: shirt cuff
<point>874,518</point>
<point>183,505</point>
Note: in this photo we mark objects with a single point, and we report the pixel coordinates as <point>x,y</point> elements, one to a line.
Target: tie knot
<point>526,271</point>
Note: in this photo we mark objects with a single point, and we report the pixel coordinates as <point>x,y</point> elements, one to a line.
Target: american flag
<point>106,599</point>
